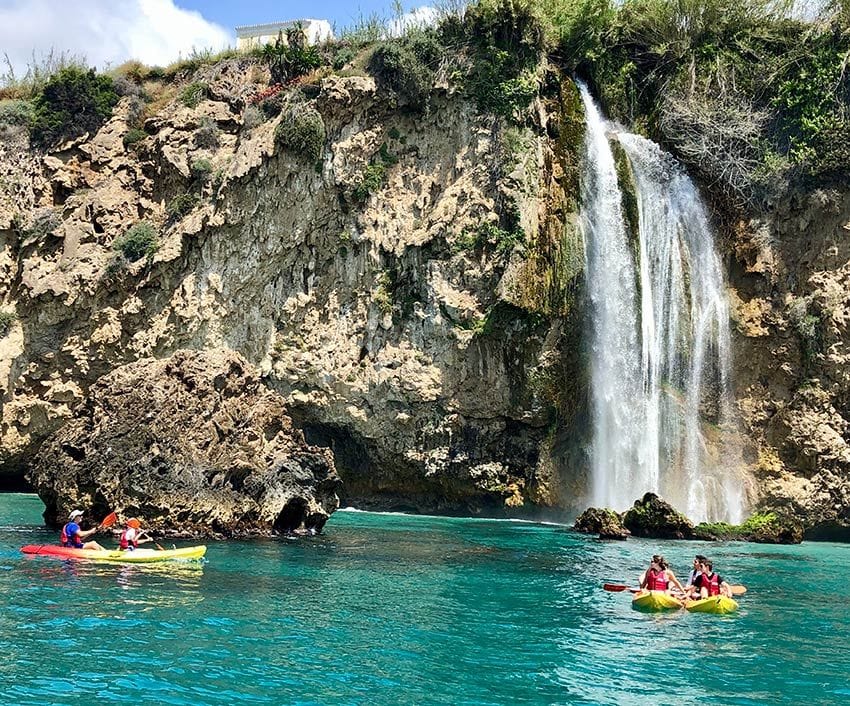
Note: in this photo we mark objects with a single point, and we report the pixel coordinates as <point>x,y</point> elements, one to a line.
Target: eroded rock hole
<point>292,516</point>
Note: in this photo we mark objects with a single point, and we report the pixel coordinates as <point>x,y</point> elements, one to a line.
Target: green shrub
<point>136,112</point>
<point>289,61</point>
<point>743,91</point>
<point>375,174</point>
<point>341,56</point>
<point>140,240</point>
<point>505,41</point>
<point>72,103</point>
<point>133,136</point>
<point>40,69</point>
<point>808,327</point>
<point>302,131</point>
<point>7,320</point>
<point>395,65</point>
<point>116,265</point>
<point>201,169</point>
<point>207,135</point>
<point>181,205</point>
<point>17,113</point>
<point>492,235</point>
<point>193,94</point>
<point>252,117</point>
<point>44,223</point>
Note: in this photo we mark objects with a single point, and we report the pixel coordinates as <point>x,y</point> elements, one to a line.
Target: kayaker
<point>698,559</point>
<point>73,536</point>
<point>658,576</point>
<point>710,584</point>
<point>132,537</point>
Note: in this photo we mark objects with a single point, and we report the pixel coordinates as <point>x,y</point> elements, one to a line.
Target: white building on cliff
<point>250,36</point>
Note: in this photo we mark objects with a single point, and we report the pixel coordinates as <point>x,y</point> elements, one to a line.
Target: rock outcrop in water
<point>194,444</point>
<point>603,522</point>
<point>652,517</point>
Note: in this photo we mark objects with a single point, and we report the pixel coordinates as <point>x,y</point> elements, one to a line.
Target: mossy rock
<point>764,528</point>
<point>602,521</point>
<point>657,519</point>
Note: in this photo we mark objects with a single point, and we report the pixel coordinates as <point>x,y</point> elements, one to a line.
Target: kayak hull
<point>655,602</point>
<point>716,605</point>
<point>138,556</point>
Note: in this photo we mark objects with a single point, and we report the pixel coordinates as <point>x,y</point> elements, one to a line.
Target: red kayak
<point>137,556</point>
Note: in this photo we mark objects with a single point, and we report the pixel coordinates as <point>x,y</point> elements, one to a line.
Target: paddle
<point>617,587</point>
<point>158,545</point>
<point>109,520</point>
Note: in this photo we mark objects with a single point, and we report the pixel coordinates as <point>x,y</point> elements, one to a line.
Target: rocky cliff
<point>409,282</point>
<point>409,292</point>
<point>791,295</point>
<point>195,444</point>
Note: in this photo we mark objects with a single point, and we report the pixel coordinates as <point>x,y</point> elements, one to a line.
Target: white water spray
<point>661,403</point>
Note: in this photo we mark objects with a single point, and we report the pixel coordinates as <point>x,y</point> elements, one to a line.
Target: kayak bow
<point>655,601</point>
<point>717,605</point>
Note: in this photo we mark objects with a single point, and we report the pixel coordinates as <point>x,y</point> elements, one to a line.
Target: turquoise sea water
<point>390,609</point>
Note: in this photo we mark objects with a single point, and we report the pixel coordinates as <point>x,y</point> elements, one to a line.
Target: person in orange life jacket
<point>132,536</point>
<point>710,584</point>
<point>658,577</point>
<point>73,536</point>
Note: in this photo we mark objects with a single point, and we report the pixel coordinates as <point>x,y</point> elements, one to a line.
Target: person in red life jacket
<point>658,576</point>
<point>132,536</point>
<point>710,584</point>
<point>73,535</point>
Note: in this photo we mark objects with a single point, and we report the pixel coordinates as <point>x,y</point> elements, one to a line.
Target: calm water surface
<point>389,609</point>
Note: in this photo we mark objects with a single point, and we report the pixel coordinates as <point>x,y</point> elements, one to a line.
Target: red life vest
<point>711,584</point>
<point>656,580</point>
<point>127,543</point>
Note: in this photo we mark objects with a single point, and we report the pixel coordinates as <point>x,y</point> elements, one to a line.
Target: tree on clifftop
<point>73,102</point>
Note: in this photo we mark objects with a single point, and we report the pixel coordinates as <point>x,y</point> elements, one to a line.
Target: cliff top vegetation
<point>751,94</point>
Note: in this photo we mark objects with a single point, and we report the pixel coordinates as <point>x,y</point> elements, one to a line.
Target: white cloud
<point>105,32</point>
<point>420,17</point>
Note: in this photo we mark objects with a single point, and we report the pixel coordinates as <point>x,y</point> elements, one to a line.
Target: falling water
<point>661,401</point>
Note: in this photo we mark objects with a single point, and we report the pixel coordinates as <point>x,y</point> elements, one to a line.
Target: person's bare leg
<point>92,545</point>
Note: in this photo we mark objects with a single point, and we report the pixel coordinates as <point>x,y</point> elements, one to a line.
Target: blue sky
<point>106,33</point>
<point>231,13</point>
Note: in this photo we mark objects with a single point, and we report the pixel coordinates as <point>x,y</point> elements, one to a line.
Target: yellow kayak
<point>718,605</point>
<point>137,556</point>
<point>655,601</point>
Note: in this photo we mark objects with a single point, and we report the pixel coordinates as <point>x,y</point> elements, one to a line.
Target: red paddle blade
<point>614,587</point>
<point>109,520</point>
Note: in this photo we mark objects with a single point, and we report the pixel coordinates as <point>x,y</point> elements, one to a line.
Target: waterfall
<point>660,342</point>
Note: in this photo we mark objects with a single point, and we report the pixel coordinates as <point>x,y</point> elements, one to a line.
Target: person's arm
<point>87,533</point>
<point>672,577</point>
<point>642,580</point>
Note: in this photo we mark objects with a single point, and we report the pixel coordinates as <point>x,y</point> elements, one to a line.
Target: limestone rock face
<point>400,319</point>
<point>791,304</point>
<point>193,444</point>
